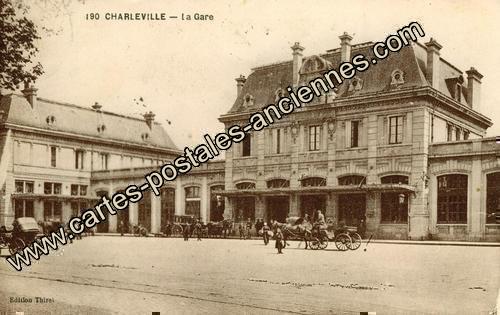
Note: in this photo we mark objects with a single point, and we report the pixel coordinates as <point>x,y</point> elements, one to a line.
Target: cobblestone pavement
<point>106,275</point>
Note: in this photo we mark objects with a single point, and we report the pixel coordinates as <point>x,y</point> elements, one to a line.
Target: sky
<point>185,70</point>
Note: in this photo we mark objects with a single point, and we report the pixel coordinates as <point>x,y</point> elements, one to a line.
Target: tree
<point>18,36</point>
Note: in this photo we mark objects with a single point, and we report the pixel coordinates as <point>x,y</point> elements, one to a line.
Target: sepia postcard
<point>249,157</point>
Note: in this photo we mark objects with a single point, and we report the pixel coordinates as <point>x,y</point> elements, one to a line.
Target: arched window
<point>313,182</point>
<point>278,183</point>
<point>217,203</point>
<point>245,185</point>
<point>394,209</point>
<point>394,179</point>
<point>192,194</point>
<point>452,199</point>
<point>493,198</point>
<point>167,205</point>
<point>351,180</point>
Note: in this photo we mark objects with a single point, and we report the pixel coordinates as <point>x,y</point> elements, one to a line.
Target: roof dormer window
<point>278,94</point>
<point>458,92</point>
<point>101,128</point>
<point>248,100</point>
<point>356,84</point>
<point>50,120</point>
<point>397,78</point>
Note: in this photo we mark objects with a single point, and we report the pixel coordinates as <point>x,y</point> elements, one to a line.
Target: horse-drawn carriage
<point>318,237</point>
<point>24,231</point>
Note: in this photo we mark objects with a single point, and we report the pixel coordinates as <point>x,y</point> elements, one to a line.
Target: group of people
<point>197,230</point>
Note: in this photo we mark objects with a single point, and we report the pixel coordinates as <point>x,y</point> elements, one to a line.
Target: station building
<point>400,146</point>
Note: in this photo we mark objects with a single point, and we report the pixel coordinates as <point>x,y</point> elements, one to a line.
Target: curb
<point>395,242</point>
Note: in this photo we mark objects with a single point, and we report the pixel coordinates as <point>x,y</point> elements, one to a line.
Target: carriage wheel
<point>314,243</point>
<point>323,242</point>
<point>16,245</point>
<point>177,230</point>
<point>343,241</point>
<point>356,241</point>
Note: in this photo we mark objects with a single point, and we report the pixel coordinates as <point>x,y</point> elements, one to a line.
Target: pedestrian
<point>258,226</point>
<point>265,233</point>
<point>279,240</point>
<point>186,231</point>
<point>121,227</point>
<point>198,229</point>
<point>241,229</point>
<point>248,228</point>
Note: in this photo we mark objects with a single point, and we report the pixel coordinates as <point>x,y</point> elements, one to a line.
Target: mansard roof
<point>264,81</point>
<point>81,121</point>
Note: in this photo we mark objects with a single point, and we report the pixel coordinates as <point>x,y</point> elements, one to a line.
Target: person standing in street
<point>121,227</point>
<point>186,231</point>
<point>279,240</point>
<point>241,228</point>
<point>248,228</point>
<point>265,233</point>
<point>198,229</point>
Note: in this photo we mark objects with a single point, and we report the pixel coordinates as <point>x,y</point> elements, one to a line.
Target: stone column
<point>133,212</point>
<point>419,212</point>
<point>179,196</point>
<point>294,210</point>
<point>330,206</point>
<point>204,199</point>
<point>260,205</point>
<point>155,214</point>
<point>371,127</point>
<point>475,210</point>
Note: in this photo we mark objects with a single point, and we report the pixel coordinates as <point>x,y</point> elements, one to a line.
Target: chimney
<point>433,48</point>
<point>30,93</point>
<point>474,88</point>
<point>240,82</point>
<point>150,118</point>
<point>297,62</point>
<point>345,47</point>
<point>97,107</point>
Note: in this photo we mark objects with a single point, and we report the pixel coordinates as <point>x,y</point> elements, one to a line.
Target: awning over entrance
<point>53,197</point>
<point>322,189</point>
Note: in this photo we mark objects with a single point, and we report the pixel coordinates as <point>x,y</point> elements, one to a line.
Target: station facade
<point>400,146</point>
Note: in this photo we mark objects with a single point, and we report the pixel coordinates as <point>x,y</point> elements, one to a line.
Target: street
<point>109,275</point>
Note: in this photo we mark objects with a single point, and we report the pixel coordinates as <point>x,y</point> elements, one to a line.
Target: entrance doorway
<point>244,209</point>
<point>309,204</point>
<point>352,208</point>
<point>144,211</point>
<point>277,208</point>
<point>103,227</point>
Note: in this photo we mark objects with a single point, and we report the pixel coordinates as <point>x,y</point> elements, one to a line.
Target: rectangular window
<point>354,134</point>
<point>104,157</point>
<point>74,190</point>
<point>449,130</point>
<point>247,146</point>
<point>19,186</point>
<point>83,190</point>
<point>457,134</point>
<point>466,135</point>
<point>52,211</point>
<point>24,208</point>
<point>57,188</point>
<point>452,199</point>
<point>53,156</point>
<point>396,130</point>
<point>52,188</point>
<point>278,141</point>
<point>22,187</point>
<point>314,138</point>
<point>79,155</point>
